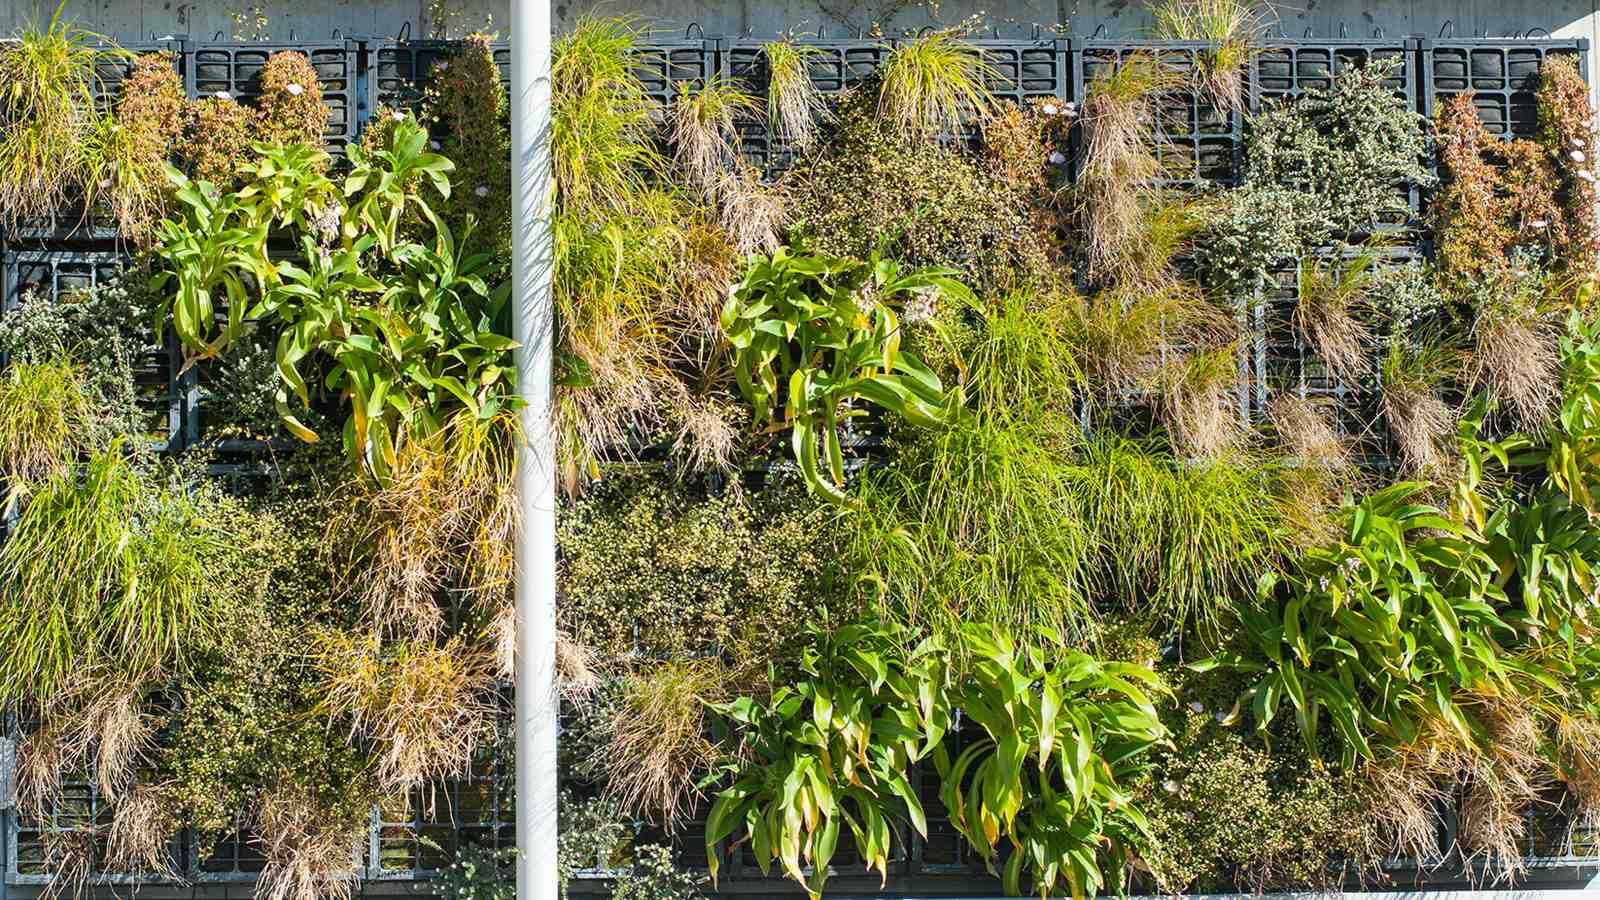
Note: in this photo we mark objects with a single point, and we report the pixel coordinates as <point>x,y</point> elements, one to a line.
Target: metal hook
<point>1377,31</point>
<point>338,35</point>
<point>217,36</point>
<point>1099,31</point>
<point>1036,30</point>
<point>1448,24</point>
<point>923,31</point>
<point>694,26</point>
<point>1307,32</point>
<point>995,31</point>
<point>1344,32</point>
<point>1547,34</point>
<point>404,34</point>
<point>292,36</point>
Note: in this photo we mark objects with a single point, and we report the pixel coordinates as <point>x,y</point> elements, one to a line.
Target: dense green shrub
<point>662,570</point>
<point>1354,150</point>
<point>870,187</point>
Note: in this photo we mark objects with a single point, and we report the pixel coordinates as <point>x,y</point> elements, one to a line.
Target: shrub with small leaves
<point>291,108</point>
<point>217,140</point>
<point>869,186</point>
<point>1354,149</point>
<point>1250,231</point>
<point>1407,298</point>
<point>1566,129</point>
<point>663,570</point>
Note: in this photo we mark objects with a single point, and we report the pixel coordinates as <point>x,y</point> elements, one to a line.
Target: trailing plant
<point>1062,736</point>
<point>1468,208</point>
<point>929,84</point>
<point>832,750</point>
<point>1355,149</point>
<point>658,570</point>
<point>811,333</point>
<point>218,138</point>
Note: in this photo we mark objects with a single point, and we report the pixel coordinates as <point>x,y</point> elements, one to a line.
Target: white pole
<point>534,329</point>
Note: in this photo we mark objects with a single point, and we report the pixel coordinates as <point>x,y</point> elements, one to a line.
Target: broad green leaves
<point>408,330</point>
<point>813,333</point>
<point>1060,738</point>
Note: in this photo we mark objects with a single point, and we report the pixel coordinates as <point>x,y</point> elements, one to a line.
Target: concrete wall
<point>130,19</point>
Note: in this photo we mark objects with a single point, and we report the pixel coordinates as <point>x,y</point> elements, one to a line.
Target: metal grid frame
<point>156,367</point>
<point>1281,362</point>
<point>1501,72</point>
<point>1197,143</point>
<point>235,67</point>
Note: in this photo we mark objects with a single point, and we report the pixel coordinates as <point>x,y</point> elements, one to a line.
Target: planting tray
<point>1500,72</point>
<point>1285,68</point>
<point>396,71</point>
<point>1197,141</point>
<point>51,275</point>
<point>234,67</point>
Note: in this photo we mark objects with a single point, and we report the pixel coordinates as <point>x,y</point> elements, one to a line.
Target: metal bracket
<point>8,774</point>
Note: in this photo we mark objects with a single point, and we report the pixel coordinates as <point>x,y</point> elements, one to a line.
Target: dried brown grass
<point>1201,403</point>
<point>1332,316</point>
<point>1518,357</point>
<point>143,822</point>
<point>310,854</point>
<point>1307,435</point>
<point>69,857</point>
<point>659,748</point>
<point>705,133</point>
<point>444,520</point>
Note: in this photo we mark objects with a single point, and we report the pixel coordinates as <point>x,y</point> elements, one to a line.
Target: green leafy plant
<point>832,750</point>
<point>1062,736</point>
<point>811,333</point>
<point>43,412</point>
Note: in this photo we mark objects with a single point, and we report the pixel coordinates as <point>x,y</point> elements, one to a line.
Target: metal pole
<point>534,329</point>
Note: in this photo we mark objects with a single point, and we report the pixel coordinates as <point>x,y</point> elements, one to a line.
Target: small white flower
<point>1197,707</point>
<point>433,144</point>
<point>1057,157</point>
<point>1221,717</point>
<point>1586,175</point>
<point>1071,108</point>
<point>224,95</point>
<point>398,115</point>
<point>295,89</point>
<point>1577,156</point>
<point>1050,109</point>
<point>444,64</point>
<point>105,184</point>
<point>1577,143</point>
<point>1538,223</point>
<point>481,191</point>
<point>1323,582</point>
<point>1170,786</point>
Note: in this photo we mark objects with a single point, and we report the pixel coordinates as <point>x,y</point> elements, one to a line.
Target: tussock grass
<point>444,520</point>
<point>142,824</point>
<point>1169,539</point>
<point>1201,403</point>
<point>1119,181</point>
<point>1422,423</point>
<point>44,416</point>
<point>704,130</point>
<point>1333,315</point>
<point>1516,353</point>
<point>47,83</point>
<point>425,706</point>
<point>930,84</point>
<point>795,107</point>
<point>309,854</point>
<point>658,748</point>
<point>1233,28</point>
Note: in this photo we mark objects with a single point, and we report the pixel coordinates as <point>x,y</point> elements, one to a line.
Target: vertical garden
<point>1052,465</point>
